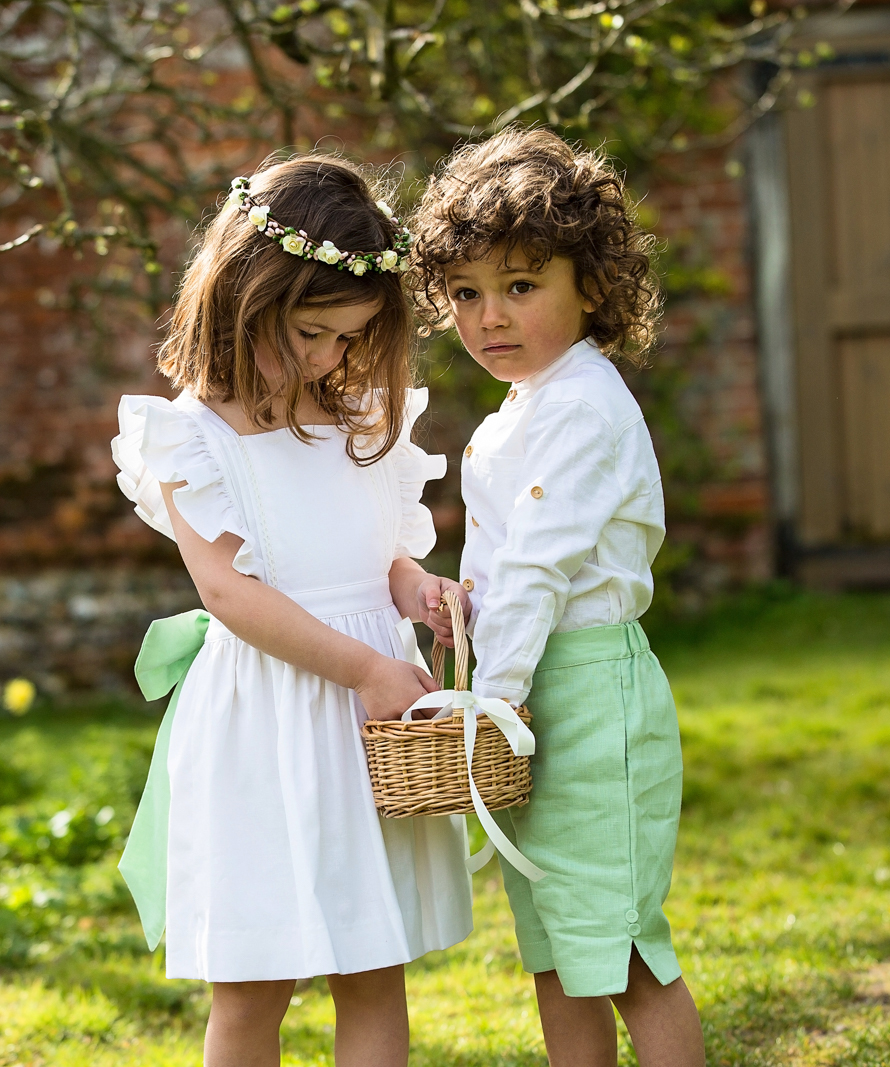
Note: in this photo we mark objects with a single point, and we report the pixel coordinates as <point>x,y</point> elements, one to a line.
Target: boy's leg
<point>372,1018</point>
<point>243,1027</point>
<point>662,1020</point>
<point>578,1031</point>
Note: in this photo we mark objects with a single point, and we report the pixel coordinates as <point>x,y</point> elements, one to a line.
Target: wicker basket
<point>420,768</point>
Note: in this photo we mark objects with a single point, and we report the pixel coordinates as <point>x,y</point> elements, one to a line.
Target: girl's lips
<point>500,348</point>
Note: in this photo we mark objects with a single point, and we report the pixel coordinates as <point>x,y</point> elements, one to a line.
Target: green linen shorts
<point>603,814</point>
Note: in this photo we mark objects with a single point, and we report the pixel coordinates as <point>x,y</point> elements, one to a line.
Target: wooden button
<point>468,451</point>
<point>473,521</point>
<point>469,585</point>
<point>511,395</point>
<point>537,492</point>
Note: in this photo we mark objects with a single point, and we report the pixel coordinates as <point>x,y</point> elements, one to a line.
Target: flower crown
<point>298,243</point>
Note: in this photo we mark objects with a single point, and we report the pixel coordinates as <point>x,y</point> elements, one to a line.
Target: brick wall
<point>710,343</point>
<point>60,381</point>
<point>81,575</point>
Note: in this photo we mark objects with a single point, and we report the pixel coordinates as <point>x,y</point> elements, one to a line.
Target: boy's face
<point>513,319</point>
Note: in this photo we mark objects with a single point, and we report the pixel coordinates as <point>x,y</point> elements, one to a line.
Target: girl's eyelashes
<point>311,336</point>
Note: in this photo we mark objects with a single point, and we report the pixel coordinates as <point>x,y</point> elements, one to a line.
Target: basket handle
<point>461,649</point>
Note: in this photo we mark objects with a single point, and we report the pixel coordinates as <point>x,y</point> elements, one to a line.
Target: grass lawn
<point>780,905</point>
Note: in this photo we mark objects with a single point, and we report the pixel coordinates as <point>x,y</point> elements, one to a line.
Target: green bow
<point>169,649</point>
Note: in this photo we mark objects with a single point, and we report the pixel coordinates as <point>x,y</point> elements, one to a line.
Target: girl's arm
<point>273,623</point>
<point>417,595</point>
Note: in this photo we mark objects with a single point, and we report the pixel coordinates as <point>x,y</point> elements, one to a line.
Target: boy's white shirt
<point>565,515</point>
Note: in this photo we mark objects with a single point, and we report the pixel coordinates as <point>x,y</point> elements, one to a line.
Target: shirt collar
<point>581,352</point>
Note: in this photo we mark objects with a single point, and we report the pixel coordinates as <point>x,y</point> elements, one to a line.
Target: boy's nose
<point>494,314</point>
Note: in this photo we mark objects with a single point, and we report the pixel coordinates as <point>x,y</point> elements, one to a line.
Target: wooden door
<point>839,179</point>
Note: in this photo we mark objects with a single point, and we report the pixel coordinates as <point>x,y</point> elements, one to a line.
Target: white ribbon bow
<point>518,735</point>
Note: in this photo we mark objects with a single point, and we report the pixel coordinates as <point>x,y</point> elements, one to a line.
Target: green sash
<point>169,649</point>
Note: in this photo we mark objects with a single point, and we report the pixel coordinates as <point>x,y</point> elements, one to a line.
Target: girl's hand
<point>429,599</point>
<point>390,686</point>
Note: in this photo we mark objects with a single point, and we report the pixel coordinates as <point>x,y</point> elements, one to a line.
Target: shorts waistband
<point>330,602</point>
<point>597,643</point>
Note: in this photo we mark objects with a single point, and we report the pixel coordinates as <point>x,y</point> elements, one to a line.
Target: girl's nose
<point>494,314</point>
<point>329,357</point>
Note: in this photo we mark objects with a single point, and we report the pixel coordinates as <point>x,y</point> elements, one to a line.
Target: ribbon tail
<point>144,862</point>
<point>495,835</point>
<point>478,860</point>
<point>167,653</point>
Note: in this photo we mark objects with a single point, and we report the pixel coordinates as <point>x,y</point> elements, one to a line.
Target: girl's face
<point>319,336</point>
<point>514,319</point>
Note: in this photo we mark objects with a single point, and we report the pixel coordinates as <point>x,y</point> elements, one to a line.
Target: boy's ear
<point>591,295</point>
<point>600,283</point>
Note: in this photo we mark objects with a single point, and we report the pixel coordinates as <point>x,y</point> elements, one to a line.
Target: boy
<point>529,248</point>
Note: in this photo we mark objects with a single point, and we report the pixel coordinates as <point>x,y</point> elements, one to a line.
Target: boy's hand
<point>429,599</point>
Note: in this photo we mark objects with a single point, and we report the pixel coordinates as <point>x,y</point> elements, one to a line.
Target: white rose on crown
<point>329,253</point>
<point>258,216</point>
<point>358,268</point>
<point>293,244</point>
<point>385,208</point>
<point>389,259</point>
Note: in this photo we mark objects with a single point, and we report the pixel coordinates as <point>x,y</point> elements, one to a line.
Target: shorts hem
<point>536,956</point>
<point>601,982</point>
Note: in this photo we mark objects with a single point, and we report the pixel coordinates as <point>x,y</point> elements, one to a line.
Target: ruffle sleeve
<point>417,534</point>
<point>160,442</point>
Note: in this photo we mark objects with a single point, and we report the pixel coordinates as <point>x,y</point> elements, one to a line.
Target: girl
<point>286,474</point>
<point>529,249</point>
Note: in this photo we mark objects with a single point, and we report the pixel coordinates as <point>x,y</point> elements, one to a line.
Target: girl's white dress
<point>278,864</point>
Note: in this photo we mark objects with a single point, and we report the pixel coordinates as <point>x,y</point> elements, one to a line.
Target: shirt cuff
<point>499,692</point>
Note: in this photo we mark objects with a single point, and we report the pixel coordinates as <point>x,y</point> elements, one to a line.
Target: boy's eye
<point>521,287</point>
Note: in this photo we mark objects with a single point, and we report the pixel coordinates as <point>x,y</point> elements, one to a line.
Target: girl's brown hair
<point>529,189</point>
<point>242,287</point>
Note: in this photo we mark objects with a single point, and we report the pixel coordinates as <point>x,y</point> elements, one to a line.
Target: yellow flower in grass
<point>18,695</point>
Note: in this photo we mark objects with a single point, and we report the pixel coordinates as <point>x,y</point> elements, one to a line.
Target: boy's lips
<point>500,348</point>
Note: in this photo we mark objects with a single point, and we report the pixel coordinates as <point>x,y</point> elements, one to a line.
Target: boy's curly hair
<point>529,189</point>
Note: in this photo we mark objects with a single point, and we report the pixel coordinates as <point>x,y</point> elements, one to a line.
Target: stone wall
<point>77,629</point>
